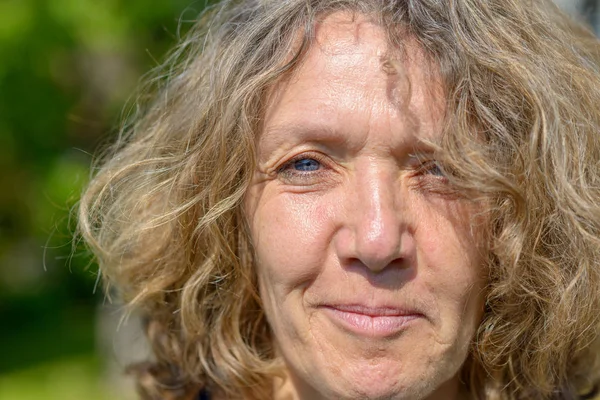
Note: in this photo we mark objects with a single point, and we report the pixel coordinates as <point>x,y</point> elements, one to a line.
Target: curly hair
<point>163,214</point>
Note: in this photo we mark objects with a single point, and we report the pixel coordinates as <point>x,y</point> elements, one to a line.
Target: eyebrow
<point>332,140</point>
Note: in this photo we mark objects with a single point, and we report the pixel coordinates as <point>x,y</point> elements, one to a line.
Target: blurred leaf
<point>64,379</point>
<point>67,68</point>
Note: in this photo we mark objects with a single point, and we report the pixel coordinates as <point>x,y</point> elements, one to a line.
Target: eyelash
<point>428,181</point>
<point>429,174</point>
<point>431,165</point>
<point>287,171</point>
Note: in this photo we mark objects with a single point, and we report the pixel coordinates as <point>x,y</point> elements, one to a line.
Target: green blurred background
<point>67,67</point>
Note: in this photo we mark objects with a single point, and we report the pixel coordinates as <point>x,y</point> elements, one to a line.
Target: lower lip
<point>374,326</point>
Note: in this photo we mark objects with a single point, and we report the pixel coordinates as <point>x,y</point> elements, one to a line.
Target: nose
<point>376,222</point>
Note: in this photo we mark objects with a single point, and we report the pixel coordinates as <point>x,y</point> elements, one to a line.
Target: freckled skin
<point>364,223</point>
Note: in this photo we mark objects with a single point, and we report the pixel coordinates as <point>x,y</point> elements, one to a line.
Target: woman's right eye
<point>306,165</point>
<point>303,170</point>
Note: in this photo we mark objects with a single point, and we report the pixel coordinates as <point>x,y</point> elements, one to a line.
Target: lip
<point>371,322</point>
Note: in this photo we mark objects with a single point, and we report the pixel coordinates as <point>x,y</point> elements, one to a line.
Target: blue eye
<point>306,165</point>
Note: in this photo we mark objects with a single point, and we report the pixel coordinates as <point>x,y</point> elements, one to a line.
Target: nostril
<point>392,276</point>
<point>393,249</point>
<point>378,250</point>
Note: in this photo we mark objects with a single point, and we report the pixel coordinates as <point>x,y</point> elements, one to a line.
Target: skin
<point>352,221</point>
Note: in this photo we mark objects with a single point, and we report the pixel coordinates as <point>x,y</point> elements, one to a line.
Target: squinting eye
<point>434,169</point>
<point>306,165</point>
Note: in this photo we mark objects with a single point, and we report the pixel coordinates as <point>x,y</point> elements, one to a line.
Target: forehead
<point>342,34</point>
<point>351,66</point>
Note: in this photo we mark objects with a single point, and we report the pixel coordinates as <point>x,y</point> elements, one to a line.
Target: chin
<point>380,391</point>
<point>386,380</point>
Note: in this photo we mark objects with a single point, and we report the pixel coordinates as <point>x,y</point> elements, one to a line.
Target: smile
<point>370,322</point>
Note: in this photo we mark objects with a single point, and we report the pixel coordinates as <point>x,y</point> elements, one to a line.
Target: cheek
<point>452,238</point>
<point>290,239</point>
<point>452,250</point>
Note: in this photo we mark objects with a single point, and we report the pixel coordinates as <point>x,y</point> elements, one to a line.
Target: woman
<point>338,199</point>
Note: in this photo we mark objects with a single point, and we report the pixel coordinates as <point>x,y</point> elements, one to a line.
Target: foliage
<point>67,68</point>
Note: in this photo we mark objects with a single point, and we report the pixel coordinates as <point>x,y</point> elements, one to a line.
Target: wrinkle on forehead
<point>339,36</point>
<point>344,28</point>
<point>342,33</point>
<point>398,84</point>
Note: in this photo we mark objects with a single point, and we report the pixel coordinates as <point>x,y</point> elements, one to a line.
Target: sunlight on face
<point>369,271</point>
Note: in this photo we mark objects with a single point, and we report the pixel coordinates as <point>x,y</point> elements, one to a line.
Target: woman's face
<point>369,264</point>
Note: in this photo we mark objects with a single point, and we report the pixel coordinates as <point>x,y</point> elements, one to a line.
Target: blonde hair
<point>522,81</point>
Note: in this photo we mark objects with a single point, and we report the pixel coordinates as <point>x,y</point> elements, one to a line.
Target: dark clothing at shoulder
<point>203,395</point>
